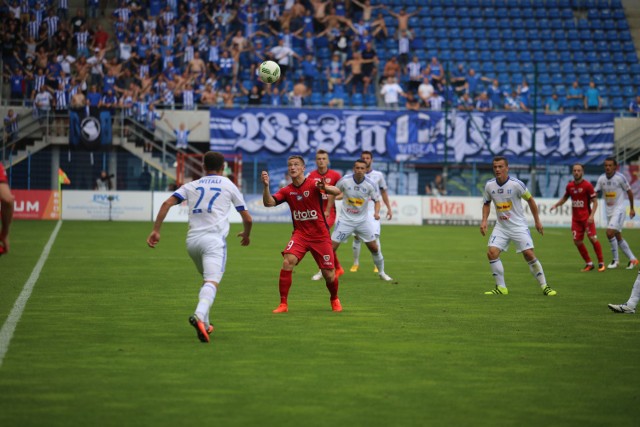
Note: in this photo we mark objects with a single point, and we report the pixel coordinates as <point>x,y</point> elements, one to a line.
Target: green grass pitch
<point>104,339</point>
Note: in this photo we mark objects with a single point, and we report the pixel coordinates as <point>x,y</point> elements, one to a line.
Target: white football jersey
<point>614,190</point>
<point>507,200</point>
<point>210,200</point>
<point>378,179</point>
<point>356,199</point>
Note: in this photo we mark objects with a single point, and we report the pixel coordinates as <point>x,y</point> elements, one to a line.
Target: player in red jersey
<point>310,228</point>
<point>6,210</point>
<point>583,196</point>
<point>330,177</point>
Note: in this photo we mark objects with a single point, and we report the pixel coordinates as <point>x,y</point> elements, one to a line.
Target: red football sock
<point>585,254</point>
<point>333,288</point>
<point>598,248</point>
<point>284,284</point>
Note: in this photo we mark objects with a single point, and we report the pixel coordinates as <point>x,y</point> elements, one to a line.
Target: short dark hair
<point>321,151</point>
<point>361,161</point>
<point>611,159</point>
<point>578,164</point>
<point>367,152</point>
<point>500,159</point>
<point>213,161</point>
<point>296,156</point>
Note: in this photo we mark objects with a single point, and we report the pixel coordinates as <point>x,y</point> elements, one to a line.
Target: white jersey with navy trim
<point>507,200</point>
<point>358,198</point>
<point>378,179</point>
<point>210,200</point>
<point>614,190</point>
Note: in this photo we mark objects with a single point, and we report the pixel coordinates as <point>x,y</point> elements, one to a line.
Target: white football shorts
<point>616,220</point>
<point>501,237</point>
<point>364,230</point>
<point>209,254</point>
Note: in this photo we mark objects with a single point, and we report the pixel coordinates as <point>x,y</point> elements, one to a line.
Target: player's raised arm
<point>267,198</point>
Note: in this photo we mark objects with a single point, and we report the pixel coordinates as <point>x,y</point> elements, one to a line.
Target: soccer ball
<point>269,72</point>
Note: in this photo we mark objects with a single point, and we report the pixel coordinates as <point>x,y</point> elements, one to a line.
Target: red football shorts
<point>578,228</point>
<point>321,250</point>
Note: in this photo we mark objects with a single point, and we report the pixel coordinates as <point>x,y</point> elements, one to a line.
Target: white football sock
<point>536,269</point>
<point>626,249</point>
<point>357,243</point>
<point>635,294</point>
<point>614,248</point>
<point>497,269</point>
<point>206,297</point>
<point>378,260</point>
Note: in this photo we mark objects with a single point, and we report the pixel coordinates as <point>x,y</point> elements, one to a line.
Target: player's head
<point>359,169</point>
<point>500,168</point>
<point>322,159</point>
<point>367,156</point>
<point>578,171</point>
<point>610,166</point>
<point>213,161</point>
<point>295,164</point>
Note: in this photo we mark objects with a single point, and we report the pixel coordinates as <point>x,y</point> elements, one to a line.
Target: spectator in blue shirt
<point>94,96</point>
<point>634,106</point>
<point>575,97</point>
<point>592,99</point>
<point>554,104</point>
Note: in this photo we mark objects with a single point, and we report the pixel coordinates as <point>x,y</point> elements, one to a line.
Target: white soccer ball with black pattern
<point>269,72</point>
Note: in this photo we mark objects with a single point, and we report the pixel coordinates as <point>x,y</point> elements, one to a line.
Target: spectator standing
<point>592,99</point>
<point>391,91</point>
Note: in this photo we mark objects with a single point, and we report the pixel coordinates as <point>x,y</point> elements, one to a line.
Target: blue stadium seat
<point>579,57</point>
<point>316,99</point>
<point>562,46</point>
<point>472,56</point>
<point>370,100</point>
<point>522,45</point>
<point>357,99</point>
<point>524,56</point>
<point>631,58</point>
<point>452,22</point>
<point>618,104</point>
<point>608,68</point>
<point>568,68</point>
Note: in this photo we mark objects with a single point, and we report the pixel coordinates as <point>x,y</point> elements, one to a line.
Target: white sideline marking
<point>9,327</point>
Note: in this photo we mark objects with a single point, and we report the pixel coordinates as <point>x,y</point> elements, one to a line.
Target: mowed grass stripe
<point>107,342</point>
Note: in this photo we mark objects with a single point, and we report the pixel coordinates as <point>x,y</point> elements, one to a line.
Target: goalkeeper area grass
<point>104,337</point>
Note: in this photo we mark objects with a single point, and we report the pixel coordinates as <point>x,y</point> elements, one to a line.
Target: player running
<point>310,229</point>
<point>330,177</point>
<point>505,193</point>
<point>378,178</point>
<point>583,196</point>
<point>210,201</point>
<point>614,185</point>
<point>357,193</point>
<point>6,210</point>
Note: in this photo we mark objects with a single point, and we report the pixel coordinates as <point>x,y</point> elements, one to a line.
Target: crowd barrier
<point>144,206</point>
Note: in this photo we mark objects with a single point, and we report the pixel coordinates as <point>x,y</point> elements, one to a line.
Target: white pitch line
<point>9,327</point>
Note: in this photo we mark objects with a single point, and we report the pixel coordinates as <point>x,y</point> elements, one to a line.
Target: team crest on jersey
<point>500,190</point>
<point>298,197</point>
<point>306,194</point>
<point>326,257</point>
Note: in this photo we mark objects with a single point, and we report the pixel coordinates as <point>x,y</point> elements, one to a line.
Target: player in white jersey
<point>378,178</point>
<point>511,225</point>
<point>614,187</point>
<point>210,200</point>
<point>358,193</point>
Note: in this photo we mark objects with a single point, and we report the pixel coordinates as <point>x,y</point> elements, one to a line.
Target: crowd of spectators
<point>186,54</point>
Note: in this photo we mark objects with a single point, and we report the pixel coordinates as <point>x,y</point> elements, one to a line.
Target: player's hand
<point>632,213</point>
<point>327,214</point>
<point>265,178</point>
<point>321,184</point>
<point>389,214</point>
<point>553,208</point>
<point>244,241</point>
<point>376,216</point>
<point>153,239</point>
<point>483,228</point>
<point>540,228</point>
<point>590,220</point>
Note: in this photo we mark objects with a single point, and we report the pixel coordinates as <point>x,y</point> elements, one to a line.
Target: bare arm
<point>536,218</point>
<point>594,208</point>
<point>486,210</point>
<point>154,237</point>
<point>376,210</point>
<point>267,199</point>
<point>247,222</point>
<point>385,199</point>
<point>632,211</point>
<point>562,202</point>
